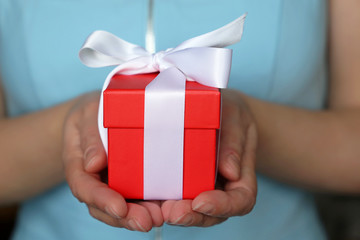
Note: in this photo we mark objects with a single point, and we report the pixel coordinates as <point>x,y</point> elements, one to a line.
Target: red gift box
<point>124,117</point>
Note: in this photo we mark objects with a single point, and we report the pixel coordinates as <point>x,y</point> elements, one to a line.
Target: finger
<point>248,173</point>
<point>232,138</point>
<point>106,218</point>
<point>181,213</point>
<point>94,152</point>
<point>235,202</point>
<point>137,219</point>
<point>89,189</point>
<point>154,209</point>
<point>166,207</point>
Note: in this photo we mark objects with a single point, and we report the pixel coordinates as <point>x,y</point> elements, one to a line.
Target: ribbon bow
<point>202,59</point>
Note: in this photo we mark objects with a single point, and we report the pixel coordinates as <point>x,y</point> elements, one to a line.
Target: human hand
<point>84,161</point>
<point>238,188</point>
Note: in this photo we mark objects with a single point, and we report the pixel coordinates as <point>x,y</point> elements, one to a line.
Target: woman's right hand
<point>84,160</point>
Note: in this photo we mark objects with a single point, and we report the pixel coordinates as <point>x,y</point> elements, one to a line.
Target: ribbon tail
<point>102,130</point>
<point>221,37</point>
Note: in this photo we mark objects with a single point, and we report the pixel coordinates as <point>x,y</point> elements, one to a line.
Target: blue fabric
<point>281,58</point>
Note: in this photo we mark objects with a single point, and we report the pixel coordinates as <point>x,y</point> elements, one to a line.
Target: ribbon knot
<point>202,59</point>
<point>156,61</point>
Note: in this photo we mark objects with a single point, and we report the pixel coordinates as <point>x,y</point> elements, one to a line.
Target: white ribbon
<point>202,59</point>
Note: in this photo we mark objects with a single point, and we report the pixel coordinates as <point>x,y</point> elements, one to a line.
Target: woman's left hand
<point>237,178</point>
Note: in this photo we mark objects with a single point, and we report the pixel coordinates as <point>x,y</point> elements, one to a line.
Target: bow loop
<point>212,66</point>
<point>200,58</point>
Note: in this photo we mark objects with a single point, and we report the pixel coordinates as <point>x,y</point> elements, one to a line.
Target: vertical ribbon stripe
<point>164,136</point>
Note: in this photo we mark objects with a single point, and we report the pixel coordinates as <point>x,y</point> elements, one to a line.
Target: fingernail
<point>205,208</point>
<point>111,212</point>
<point>185,219</point>
<point>89,157</point>
<point>135,225</point>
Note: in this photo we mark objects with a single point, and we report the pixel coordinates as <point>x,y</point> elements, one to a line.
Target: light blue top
<point>281,58</point>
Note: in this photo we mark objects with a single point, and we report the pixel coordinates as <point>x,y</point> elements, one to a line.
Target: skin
<point>38,166</point>
<point>321,153</point>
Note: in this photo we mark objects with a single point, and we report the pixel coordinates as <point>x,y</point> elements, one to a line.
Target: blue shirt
<point>281,58</point>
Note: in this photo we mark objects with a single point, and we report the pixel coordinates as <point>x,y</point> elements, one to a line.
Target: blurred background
<point>340,216</point>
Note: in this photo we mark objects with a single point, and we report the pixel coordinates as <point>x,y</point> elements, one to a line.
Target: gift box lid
<point>124,101</point>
